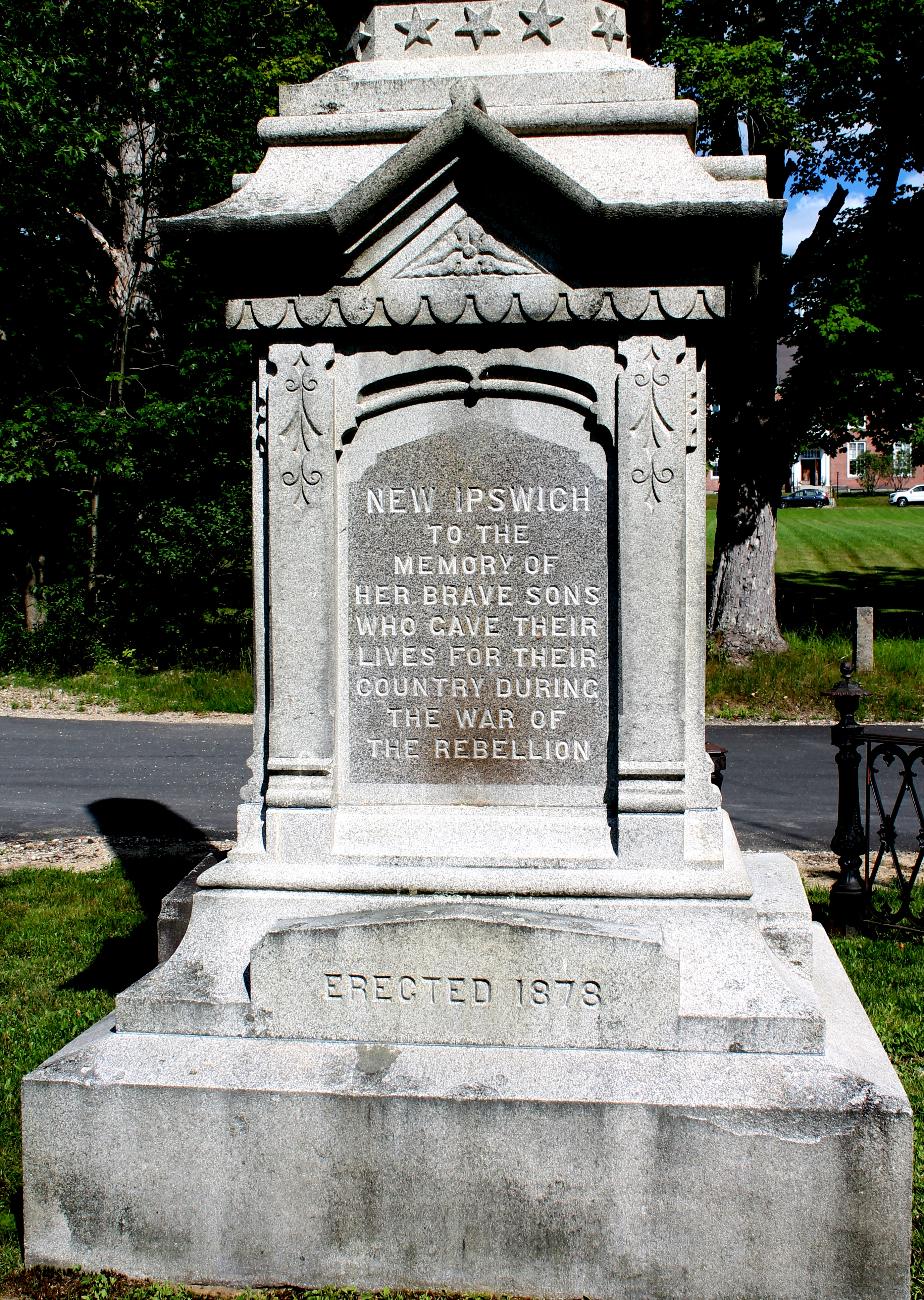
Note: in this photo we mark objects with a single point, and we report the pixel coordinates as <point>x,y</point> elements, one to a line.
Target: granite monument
<point>486,997</point>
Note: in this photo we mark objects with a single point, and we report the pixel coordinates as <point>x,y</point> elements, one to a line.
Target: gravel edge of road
<point>102,713</point>
<point>109,713</point>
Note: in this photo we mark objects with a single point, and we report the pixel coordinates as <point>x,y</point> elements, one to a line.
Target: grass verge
<point>181,690</point>
<point>791,686</point>
<point>863,552</point>
<point>888,976</point>
<point>55,928</point>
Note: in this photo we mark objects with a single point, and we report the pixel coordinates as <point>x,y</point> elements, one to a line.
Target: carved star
<point>610,27</point>
<point>358,42</point>
<point>478,26</point>
<point>416,29</point>
<point>539,21</point>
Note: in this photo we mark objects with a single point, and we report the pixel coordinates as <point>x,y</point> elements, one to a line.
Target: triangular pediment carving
<point>434,236</point>
<point>467,249</point>
<point>272,238</point>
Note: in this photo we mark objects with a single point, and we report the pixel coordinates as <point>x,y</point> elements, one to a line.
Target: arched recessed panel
<point>436,383</point>
<point>475,636</point>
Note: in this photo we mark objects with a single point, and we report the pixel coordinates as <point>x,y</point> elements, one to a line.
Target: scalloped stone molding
<point>460,304</point>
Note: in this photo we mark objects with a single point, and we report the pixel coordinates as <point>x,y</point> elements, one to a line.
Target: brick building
<point>838,471</point>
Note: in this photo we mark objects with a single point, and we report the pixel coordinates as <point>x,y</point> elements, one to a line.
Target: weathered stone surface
<point>735,992</point>
<point>176,909</point>
<point>634,1175</point>
<point>476,602</point>
<point>863,652</point>
<point>466,973</point>
<point>485,1000</point>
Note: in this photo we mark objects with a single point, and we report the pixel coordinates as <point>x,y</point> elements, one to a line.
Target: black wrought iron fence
<point>879,837</point>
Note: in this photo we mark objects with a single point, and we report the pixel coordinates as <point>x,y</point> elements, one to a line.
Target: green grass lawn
<point>69,942</point>
<point>791,686</point>
<point>889,979</point>
<point>862,552</point>
<point>53,927</point>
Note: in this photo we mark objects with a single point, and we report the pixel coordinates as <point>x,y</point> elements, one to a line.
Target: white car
<point>913,496</point>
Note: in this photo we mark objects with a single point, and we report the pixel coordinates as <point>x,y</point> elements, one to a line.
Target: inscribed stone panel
<point>476,603</point>
<point>466,973</point>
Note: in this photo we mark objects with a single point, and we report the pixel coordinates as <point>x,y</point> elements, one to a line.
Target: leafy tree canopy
<point>829,90</point>
<point>123,435</point>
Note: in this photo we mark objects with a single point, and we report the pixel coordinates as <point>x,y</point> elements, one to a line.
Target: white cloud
<point>802,213</point>
<point>803,210</point>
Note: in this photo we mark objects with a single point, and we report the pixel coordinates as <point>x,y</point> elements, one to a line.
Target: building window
<point>854,451</point>
<point>901,459</point>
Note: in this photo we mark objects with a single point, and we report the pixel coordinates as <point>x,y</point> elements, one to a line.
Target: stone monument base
<point>565,1172</point>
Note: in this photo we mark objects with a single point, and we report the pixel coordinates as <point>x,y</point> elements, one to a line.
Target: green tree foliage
<point>855,72</point>
<point>856,324</point>
<point>873,467</point>
<point>857,302</point>
<point>124,513</point>
<point>733,59</point>
<point>828,90</point>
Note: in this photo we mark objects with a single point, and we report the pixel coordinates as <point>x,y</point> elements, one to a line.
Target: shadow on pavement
<point>157,848</point>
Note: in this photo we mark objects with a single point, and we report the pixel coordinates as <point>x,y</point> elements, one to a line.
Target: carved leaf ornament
<point>467,249</point>
<point>654,422</point>
<point>655,478</point>
<point>302,433</point>
<point>653,367</point>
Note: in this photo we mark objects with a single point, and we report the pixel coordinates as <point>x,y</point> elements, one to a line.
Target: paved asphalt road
<point>170,779</point>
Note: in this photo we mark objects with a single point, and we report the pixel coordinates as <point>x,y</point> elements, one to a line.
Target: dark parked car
<point>810,496</point>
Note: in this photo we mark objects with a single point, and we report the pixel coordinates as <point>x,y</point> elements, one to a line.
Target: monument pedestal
<point>485,997</point>
<point>715,1175</point>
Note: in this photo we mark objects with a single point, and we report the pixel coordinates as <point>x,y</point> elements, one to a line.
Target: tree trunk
<point>133,253</point>
<point>139,156</point>
<point>93,529</point>
<point>742,607</point>
<point>131,258</point>
<point>34,608</point>
<point>754,453</point>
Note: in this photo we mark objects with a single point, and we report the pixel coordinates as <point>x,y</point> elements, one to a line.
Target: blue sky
<point>804,208</point>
